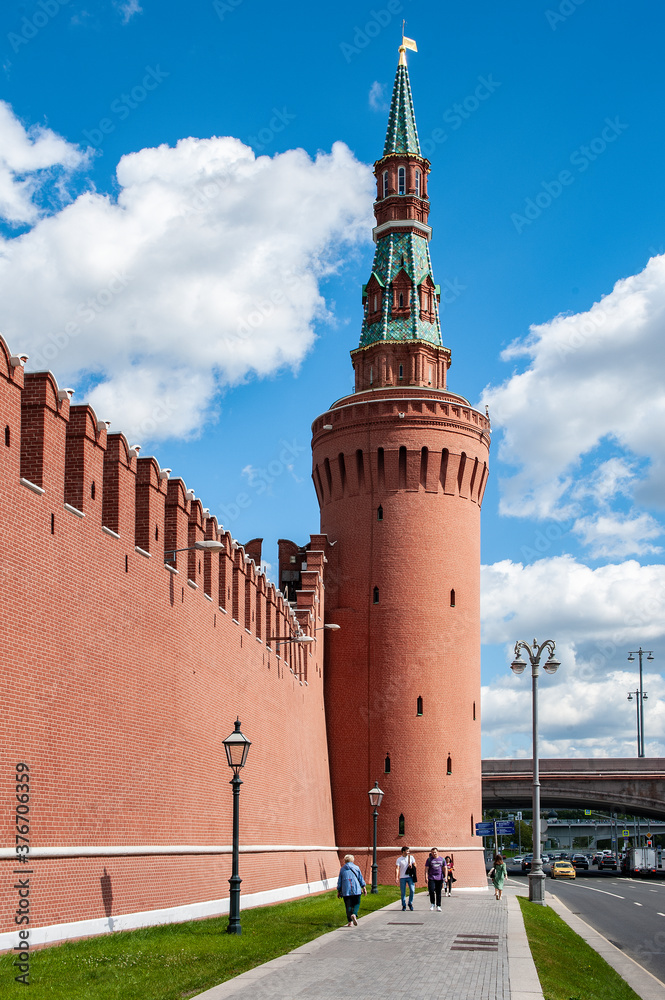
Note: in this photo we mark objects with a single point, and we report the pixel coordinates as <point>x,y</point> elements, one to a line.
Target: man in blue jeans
<point>404,860</point>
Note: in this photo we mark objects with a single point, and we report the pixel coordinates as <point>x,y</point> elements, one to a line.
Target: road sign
<point>505,827</point>
<point>625,833</point>
<point>484,829</point>
<point>587,812</point>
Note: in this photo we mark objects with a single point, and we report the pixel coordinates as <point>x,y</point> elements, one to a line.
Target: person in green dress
<point>498,873</point>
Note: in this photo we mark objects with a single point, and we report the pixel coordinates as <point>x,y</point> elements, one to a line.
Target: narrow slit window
<point>449,765</point>
<point>402,468</point>
<point>419,706</point>
<point>92,490</point>
<point>417,184</point>
<point>473,828</point>
<point>375,595</point>
<point>385,183</point>
<point>381,468</point>
<point>371,375</point>
<point>386,764</point>
<point>7,436</point>
<point>424,457</point>
<point>156,532</point>
<point>452,598</point>
<point>126,564</point>
<point>401,180</point>
<point>53,524</point>
<point>342,469</point>
<point>379,513</point>
<point>360,468</point>
<point>401,825</point>
<point>474,711</point>
<point>401,371</point>
<point>401,300</point>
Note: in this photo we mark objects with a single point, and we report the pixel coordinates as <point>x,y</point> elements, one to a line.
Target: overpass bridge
<point>634,785</point>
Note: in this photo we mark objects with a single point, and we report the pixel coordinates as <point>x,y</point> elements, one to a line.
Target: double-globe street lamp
<point>375,797</point>
<point>640,702</point>
<point>237,747</point>
<point>534,652</point>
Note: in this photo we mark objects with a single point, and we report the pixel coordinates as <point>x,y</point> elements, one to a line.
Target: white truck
<point>642,861</point>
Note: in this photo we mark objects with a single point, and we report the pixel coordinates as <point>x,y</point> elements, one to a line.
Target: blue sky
<point>137,238</point>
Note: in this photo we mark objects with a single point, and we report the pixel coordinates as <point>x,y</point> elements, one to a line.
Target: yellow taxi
<point>562,869</point>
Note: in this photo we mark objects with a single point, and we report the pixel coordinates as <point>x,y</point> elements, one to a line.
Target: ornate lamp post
<point>237,747</point>
<point>640,704</point>
<point>536,875</point>
<point>375,797</point>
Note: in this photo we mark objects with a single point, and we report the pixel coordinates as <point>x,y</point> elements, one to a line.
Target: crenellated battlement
<point>66,455</point>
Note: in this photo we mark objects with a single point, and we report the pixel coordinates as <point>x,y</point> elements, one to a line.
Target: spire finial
<point>407,43</point>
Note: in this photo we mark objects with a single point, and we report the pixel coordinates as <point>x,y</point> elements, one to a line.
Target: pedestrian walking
<point>350,887</point>
<point>405,874</point>
<point>498,875</point>
<point>435,872</point>
<point>450,877</point>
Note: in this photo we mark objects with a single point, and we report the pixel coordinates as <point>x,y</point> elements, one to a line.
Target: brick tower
<point>400,468</point>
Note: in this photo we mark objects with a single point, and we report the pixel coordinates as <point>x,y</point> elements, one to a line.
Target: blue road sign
<point>484,829</point>
<point>505,827</point>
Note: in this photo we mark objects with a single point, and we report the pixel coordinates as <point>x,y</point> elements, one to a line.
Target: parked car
<point>580,861</point>
<point>562,869</point>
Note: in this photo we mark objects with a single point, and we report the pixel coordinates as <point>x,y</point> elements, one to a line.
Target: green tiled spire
<point>402,134</point>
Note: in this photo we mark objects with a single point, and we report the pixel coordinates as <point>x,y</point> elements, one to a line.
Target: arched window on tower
<point>417,184</point>
<point>449,765</point>
<point>401,825</point>
<point>401,180</point>
<point>452,598</point>
<point>375,595</point>
<point>379,513</point>
<point>385,183</point>
<point>386,764</point>
<point>419,705</point>
<point>401,300</point>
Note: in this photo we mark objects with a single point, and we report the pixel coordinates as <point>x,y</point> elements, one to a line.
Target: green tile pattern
<point>396,252</point>
<point>402,134</point>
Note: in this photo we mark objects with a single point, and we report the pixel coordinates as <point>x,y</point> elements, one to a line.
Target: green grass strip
<point>568,968</point>
<point>176,961</point>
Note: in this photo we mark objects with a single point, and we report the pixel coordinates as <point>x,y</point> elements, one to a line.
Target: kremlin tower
<point>400,468</point>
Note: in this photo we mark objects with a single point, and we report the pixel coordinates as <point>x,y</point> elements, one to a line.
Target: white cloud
<point>614,535</point>
<point>595,617</point>
<point>128,8</point>
<point>376,98</point>
<point>592,378</point>
<point>611,605</point>
<point>204,271</point>
<point>577,717</point>
<point>33,164</point>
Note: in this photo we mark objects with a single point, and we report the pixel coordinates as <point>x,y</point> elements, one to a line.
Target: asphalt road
<point>628,912</point>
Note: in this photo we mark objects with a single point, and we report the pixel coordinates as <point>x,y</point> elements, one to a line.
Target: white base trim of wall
<point>106,851</point>
<point>169,915</point>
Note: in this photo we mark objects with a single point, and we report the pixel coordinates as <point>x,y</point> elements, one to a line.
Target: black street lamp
<point>640,703</point>
<point>375,797</point>
<point>638,700</point>
<point>534,653</point>
<point>237,747</point>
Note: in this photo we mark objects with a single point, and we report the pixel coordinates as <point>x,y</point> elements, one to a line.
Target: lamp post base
<point>537,886</point>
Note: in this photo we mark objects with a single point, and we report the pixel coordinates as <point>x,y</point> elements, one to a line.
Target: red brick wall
<point>122,679</point>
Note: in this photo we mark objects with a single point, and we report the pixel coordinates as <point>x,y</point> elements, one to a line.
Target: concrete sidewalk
<point>475,949</point>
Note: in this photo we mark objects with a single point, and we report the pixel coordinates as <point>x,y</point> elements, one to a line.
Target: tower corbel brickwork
<point>400,468</point>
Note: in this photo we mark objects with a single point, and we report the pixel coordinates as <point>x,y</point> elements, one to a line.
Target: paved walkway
<point>475,949</point>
